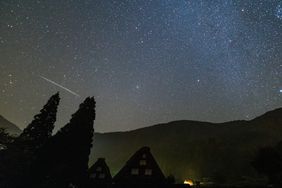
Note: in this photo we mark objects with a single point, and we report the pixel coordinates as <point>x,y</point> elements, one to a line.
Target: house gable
<point>140,168</point>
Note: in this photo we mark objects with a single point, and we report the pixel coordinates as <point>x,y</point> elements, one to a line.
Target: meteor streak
<point>54,83</point>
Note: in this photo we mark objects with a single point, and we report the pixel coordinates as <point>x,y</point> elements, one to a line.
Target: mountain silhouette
<point>190,149</point>
<point>9,127</point>
<point>193,149</point>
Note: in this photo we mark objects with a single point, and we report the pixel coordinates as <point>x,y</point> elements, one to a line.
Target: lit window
<point>102,176</point>
<point>148,172</point>
<point>99,169</point>
<point>93,175</point>
<point>134,171</point>
<point>142,162</point>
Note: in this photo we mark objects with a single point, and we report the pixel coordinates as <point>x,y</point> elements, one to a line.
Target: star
<point>161,54</point>
<point>279,12</point>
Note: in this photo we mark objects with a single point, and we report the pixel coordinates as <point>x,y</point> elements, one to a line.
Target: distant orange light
<point>189,182</point>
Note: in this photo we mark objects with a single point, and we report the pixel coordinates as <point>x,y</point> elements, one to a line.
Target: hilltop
<point>193,149</point>
<point>9,127</point>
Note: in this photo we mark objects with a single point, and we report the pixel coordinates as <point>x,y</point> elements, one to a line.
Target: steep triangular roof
<point>140,168</point>
<point>99,172</point>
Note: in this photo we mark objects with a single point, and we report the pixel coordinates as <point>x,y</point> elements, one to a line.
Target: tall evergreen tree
<point>18,158</point>
<point>63,161</point>
<point>40,129</point>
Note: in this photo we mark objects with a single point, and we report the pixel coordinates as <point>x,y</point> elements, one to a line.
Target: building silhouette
<point>141,168</point>
<point>99,173</point>
<point>140,171</point>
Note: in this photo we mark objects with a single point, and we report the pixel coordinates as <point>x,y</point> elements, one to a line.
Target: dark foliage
<point>5,139</point>
<point>40,129</point>
<point>16,160</point>
<point>63,160</point>
<point>268,161</point>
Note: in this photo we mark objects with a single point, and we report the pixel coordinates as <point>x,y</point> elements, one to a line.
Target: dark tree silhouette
<point>5,139</point>
<point>63,161</point>
<point>19,156</point>
<point>40,129</point>
<point>268,162</point>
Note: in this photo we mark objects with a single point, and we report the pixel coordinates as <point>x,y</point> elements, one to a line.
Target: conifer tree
<point>63,161</point>
<point>18,158</point>
<point>40,129</point>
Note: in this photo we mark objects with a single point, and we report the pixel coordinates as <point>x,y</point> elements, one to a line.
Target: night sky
<point>145,61</point>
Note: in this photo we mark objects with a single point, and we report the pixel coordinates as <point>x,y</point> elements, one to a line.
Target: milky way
<point>146,62</point>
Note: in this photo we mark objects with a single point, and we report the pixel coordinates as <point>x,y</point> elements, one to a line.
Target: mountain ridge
<point>191,149</point>
<point>194,149</point>
<point>277,110</point>
<point>9,127</point>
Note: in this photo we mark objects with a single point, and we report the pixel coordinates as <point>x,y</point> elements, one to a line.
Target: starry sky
<point>145,61</point>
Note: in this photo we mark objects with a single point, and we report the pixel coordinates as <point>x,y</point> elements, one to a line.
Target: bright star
<point>278,13</point>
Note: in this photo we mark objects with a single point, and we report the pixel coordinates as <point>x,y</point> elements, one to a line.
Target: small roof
<point>100,171</point>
